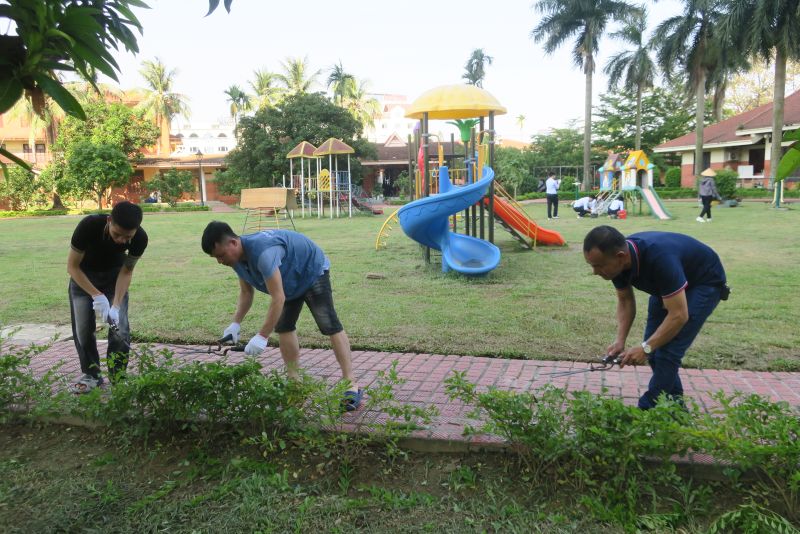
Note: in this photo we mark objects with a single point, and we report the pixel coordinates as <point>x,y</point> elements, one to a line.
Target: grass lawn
<point>541,304</point>
<point>70,479</point>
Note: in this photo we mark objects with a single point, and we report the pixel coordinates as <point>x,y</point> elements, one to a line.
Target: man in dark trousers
<point>104,251</point>
<point>685,280</point>
<point>292,270</point>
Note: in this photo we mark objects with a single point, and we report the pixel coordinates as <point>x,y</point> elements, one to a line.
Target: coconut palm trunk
<point>638,142</point>
<point>587,123</point>
<point>699,113</point>
<point>777,118</point>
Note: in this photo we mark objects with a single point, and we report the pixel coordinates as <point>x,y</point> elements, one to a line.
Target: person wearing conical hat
<point>708,192</point>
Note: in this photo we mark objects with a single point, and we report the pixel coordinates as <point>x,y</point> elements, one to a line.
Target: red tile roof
<point>731,130</point>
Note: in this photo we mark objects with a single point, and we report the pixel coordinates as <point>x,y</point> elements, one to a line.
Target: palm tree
<point>521,123</point>
<point>687,43</point>
<point>360,104</point>
<point>585,20</point>
<point>635,66</point>
<point>475,70</point>
<point>342,82</point>
<point>296,77</point>
<point>768,29</point>
<point>265,88</point>
<point>240,102</point>
<point>161,103</point>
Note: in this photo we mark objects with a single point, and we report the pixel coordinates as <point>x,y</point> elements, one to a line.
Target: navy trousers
<point>666,361</point>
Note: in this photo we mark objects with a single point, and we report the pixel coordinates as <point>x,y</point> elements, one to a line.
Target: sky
<point>400,48</point>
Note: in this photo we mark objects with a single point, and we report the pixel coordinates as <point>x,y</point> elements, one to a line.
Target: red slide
<point>523,224</point>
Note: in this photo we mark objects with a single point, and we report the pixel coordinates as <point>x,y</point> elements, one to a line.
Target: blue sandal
<point>352,400</point>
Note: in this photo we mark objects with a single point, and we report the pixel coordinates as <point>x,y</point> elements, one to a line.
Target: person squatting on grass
<point>104,251</point>
<point>291,269</point>
<point>685,280</point>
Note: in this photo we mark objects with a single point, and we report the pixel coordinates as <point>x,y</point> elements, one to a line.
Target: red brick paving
<point>425,373</point>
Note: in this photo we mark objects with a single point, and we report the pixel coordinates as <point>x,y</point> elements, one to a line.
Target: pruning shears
<point>606,364</point>
<point>223,345</point>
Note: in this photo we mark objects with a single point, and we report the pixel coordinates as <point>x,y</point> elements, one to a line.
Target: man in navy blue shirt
<point>292,270</point>
<point>685,280</point>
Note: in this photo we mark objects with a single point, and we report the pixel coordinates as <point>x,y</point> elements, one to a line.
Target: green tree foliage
<point>475,68</point>
<point>108,123</point>
<point>259,160</point>
<point>666,114</point>
<point>512,169</point>
<point>93,169</point>
<point>726,183</point>
<point>672,178</point>
<point>171,185</point>
<point>21,188</point>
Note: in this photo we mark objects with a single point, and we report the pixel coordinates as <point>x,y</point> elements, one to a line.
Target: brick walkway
<point>425,373</point>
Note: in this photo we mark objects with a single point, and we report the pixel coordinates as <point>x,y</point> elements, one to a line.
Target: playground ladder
<point>258,219</point>
<point>604,202</point>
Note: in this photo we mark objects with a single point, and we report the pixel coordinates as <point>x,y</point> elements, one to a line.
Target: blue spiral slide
<point>426,222</point>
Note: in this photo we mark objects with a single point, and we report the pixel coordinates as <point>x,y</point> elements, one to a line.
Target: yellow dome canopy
<point>455,102</point>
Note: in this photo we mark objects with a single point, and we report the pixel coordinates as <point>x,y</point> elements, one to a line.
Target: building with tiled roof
<point>741,143</point>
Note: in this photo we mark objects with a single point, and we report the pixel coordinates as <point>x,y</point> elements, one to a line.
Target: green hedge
<point>145,208</point>
<point>31,213</point>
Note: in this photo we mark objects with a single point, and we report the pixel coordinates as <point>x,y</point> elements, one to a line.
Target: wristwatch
<point>646,348</point>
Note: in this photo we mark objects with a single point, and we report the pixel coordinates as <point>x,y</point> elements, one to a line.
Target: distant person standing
<point>551,189</point>
<point>708,192</point>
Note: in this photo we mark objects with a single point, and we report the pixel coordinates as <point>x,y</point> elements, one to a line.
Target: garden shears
<point>606,363</point>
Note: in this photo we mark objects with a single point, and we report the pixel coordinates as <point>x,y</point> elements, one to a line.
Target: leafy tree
<point>361,106</point>
<point>161,103</point>
<point>20,188</point>
<point>475,68</point>
<point>171,185</point>
<point>265,88</point>
<point>512,168</point>
<point>672,178</point>
<point>585,21</point>
<point>260,157</point>
<point>94,169</point>
<point>635,66</point>
<point>296,76</point>
<point>520,120</point>
<point>239,102</point>
<point>665,115</point>
<point>341,82</point>
<point>767,29</point>
<point>687,44</point>
<point>754,88</point>
<point>60,36</point>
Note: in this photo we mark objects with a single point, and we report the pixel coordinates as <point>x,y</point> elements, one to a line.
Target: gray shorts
<point>319,298</point>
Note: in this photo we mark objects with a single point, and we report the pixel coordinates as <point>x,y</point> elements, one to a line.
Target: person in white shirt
<point>551,189</point>
<point>585,205</point>
<point>614,207</point>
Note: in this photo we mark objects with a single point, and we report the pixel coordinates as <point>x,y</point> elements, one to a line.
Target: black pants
<point>552,206</point>
<point>83,326</point>
<point>706,205</point>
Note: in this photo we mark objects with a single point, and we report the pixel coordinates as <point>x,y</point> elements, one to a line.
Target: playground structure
<point>442,197</point>
<point>629,178</point>
<point>321,183</point>
<point>264,207</point>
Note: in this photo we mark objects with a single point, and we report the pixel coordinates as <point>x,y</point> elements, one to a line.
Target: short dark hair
<point>606,239</point>
<point>215,232</point>
<point>127,215</point>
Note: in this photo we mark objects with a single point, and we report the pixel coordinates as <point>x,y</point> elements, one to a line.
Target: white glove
<point>101,306</point>
<point>256,345</point>
<point>232,330</point>
<point>113,316</point>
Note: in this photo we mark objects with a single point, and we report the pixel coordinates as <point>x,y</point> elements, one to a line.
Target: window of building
<point>222,149</point>
<point>26,148</point>
<point>706,160</point>
<point>40,148</point>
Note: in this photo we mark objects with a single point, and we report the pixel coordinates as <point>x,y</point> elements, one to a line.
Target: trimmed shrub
<point>672,178</point>
<point>726,182</point>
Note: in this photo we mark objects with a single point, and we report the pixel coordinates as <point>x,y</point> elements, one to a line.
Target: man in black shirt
<point>104,251</point>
